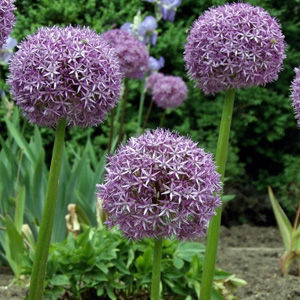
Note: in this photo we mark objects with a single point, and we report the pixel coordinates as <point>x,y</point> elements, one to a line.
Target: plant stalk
<point>214,226</point>
<point>147,115</point>
<point>124,102</point>
<point>111,130</point>
<point>142,101</point>
<point>156,269</point>
<point>43,241</point>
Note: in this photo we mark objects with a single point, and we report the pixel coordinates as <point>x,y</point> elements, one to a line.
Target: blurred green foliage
<point>264,130</point>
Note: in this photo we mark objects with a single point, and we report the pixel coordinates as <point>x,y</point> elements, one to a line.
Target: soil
<point>251,253</point>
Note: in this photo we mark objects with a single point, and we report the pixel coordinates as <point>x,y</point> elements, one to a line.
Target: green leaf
<point>130,257</point>
<point>215,295</point>
<point>99,277</point>
<point>20,140</point>
<point>19,212</point>
<point>101,266</point>
<point>122,267</point>
<point>178,262</point>
<point>60,280</point>
<point>187,250</point>
<point>110,293</point>
<point>283,222</point>
<point>227,198</point>
<point>14,246</point>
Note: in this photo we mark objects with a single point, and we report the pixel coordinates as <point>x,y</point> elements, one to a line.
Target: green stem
<point>156,269</point>
<point>43,242</point>
<point>142,100</point>
<point>147,115</point>
<point>111,130</point>
<point>214,226</point>
<point>124,102</point>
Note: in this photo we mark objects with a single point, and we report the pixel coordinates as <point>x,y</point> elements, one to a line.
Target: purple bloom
<point>7,50</point>
<point>166,91</point>
<point>133,55</point>
<point>146,30</point>
<point>7,19</point>
<point>232,46</point>
<point>67,73</point>
<point>160,185</point>
<point>296,95</point>
<point>168,8</point>
<point>154,64</point>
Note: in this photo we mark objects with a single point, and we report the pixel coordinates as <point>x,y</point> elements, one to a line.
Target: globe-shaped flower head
<point>160,185</point>
<point>133,54</point>
<point>69,73</point>
<point>296,95</point>
<point>166,91</point>
<point>232,46</point>
<point>7,20</point>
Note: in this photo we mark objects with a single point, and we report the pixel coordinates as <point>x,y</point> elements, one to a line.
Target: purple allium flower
<point>168,8</point>
<point>232,46</point>
<point>7,19</point>
<point>296,95</point>
<point>69,73</point>
<point>166,91</point>
<point>7,50</point>
<point>154,64</point>
<point>160,185</point>
<point>133,54</point>
<point>146,30</point>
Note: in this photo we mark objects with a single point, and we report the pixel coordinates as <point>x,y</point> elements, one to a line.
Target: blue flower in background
<point>146,30</point>
<point>7,50</point>
<point>154,64</point>
<point>128,27</point>
<point>167,8</point>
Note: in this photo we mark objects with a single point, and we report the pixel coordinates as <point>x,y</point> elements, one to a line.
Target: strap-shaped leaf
<point>283,222</point>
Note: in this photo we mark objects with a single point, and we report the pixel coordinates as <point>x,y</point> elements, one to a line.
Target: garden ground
<point>250,252</point>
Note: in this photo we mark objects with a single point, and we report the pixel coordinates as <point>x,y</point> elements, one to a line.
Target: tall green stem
<point>142,100</point>
<point>147,115</point>
<point>43,242</point>
<point>111,130</point>
<point>214,226</point>
<point>156,269</point>
<point>124,102</point>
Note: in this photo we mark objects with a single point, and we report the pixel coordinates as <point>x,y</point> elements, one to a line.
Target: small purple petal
<point>153,38</point>
<point>127,27</point>
<point>154,64</point>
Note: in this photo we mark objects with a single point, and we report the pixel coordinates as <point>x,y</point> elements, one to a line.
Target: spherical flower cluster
<point>232,46</point>
<point>296,95</point>
<point>166,91</point>
<point>160,185</point>
<point>7,20</point>
<point>69,73</point>
<point>133,54</point>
